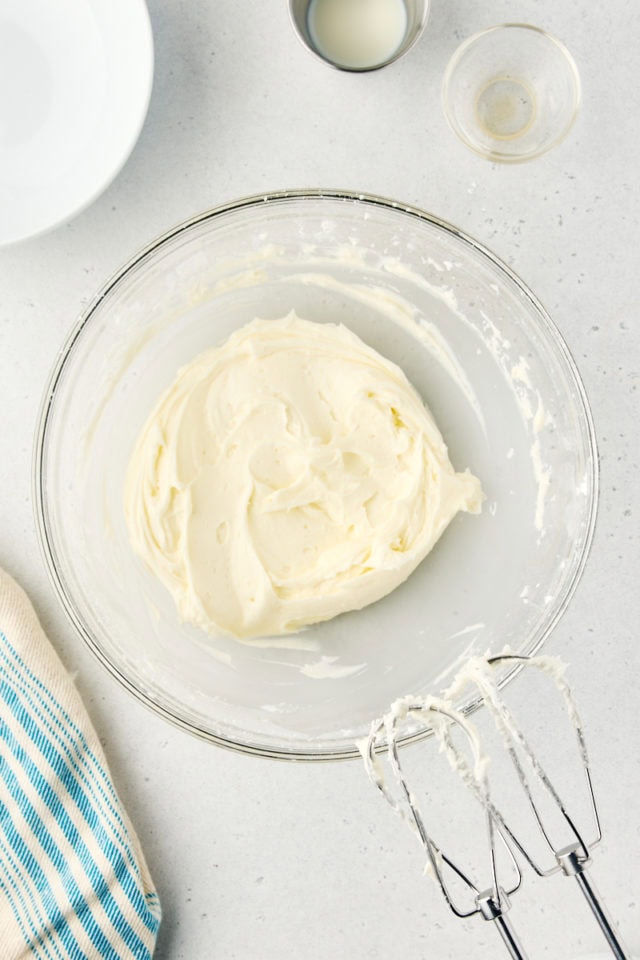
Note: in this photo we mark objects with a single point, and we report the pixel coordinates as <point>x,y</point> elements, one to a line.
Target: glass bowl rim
<point>46,540</point>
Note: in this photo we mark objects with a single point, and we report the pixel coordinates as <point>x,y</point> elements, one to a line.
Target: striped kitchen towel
<point>74,884</point>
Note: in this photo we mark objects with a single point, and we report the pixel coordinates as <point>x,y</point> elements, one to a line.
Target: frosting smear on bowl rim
<point>287,476</point>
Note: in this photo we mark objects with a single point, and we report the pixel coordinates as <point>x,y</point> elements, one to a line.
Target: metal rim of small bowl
<point>455,60</point>
<point>45,539</point>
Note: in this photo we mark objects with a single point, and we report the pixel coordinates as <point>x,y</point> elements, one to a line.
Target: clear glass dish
<point>485,357</point>
<point>511,92</point>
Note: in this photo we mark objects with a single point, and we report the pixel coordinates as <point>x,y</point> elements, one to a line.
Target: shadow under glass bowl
<point>478,347</point>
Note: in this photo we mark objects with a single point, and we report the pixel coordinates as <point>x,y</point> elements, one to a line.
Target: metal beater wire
<point>572,860</point>
<point>492,903</point>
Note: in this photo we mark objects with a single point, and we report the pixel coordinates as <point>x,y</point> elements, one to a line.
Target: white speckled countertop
<point>260,859</point>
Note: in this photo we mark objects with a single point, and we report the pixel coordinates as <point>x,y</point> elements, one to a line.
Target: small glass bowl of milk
<point>359,35</point>
<point>511,92</point>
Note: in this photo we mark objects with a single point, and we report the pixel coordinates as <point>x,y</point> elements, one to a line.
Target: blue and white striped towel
<point>74,884</point>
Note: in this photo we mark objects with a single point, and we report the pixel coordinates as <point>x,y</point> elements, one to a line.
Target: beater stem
<point>493,910</point>
<point>575,866</point>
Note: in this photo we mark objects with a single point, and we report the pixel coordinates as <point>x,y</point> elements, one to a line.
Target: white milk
<point>357,33</point>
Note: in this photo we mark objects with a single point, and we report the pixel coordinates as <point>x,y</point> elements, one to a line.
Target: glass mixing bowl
<point>483,354</point>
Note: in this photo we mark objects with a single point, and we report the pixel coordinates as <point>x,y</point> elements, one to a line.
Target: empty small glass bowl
<point>511,92</point>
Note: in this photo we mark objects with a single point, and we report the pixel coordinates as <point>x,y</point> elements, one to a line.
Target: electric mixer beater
<point>443,719</point>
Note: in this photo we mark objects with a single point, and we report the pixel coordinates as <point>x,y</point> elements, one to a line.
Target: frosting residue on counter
<point>287,476</point>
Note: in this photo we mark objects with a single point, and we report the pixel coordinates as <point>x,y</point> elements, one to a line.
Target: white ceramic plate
<point>75,81</point>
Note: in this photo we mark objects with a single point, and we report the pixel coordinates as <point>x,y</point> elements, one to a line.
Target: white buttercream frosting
<point>287,476</point>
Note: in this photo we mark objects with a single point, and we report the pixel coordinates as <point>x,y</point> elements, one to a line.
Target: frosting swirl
<point>287,476</point>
